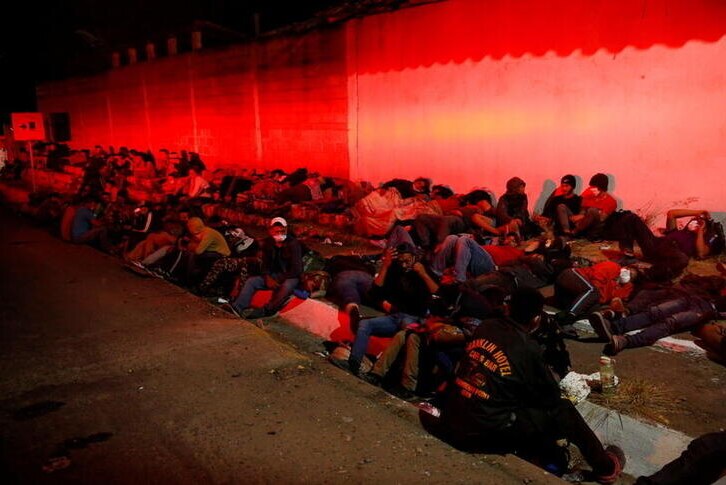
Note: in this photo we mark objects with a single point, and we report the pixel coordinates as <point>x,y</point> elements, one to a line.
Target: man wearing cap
<point>597,205</point>
<point>562,204</point>
<point>282,267</point>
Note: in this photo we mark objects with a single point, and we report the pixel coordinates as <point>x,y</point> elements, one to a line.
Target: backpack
<point>714,236</point>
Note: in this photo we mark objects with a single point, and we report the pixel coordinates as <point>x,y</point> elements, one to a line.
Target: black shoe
<point>263,312</point>
<point>354,318</point>
<point>347,365</point>
<point>371,378</point>
<point>601,325</point>
<point>403,393</point>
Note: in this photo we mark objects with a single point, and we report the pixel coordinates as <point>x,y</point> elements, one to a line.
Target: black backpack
<point>714,236</point>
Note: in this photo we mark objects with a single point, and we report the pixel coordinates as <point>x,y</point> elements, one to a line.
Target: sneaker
<point>372,379</point>
<point>347,366</point>
<point>616,345</point>
<point>261,313</point>
<point>228,307</point>
<point>601,325</point>
<point>618,458</point>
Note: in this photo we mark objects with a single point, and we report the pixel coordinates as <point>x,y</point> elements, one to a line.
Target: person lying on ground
<point>659,321</point>
<point>504,398</point>
<point>281,270</point>
<point>579,290</point>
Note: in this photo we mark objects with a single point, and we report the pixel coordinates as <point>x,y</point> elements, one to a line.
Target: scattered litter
<point>324,354</point>
<point>141,388</point>
<point>56,463</point>
<point>222,300</point>
<point>347,419</point>
<point>574,387</point>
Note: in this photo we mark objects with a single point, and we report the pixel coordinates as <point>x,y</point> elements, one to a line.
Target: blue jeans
<point>351,287</point>
<point>279,296</point>
<point>468,257</point>
<point>384,326</point>
<point>662,320</point>
<point>398,236</point>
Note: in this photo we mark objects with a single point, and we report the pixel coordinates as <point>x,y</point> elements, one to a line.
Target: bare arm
<point>674,214</point>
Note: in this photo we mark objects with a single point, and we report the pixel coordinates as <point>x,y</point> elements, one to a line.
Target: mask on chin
<point>279,237</point>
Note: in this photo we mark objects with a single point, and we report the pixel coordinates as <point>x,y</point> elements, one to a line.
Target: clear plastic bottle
<point>607,375</point>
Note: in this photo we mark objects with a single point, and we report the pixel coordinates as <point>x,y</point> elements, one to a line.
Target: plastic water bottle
<point>607,375</point>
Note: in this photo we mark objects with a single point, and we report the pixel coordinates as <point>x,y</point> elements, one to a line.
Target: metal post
<point>32,164</point>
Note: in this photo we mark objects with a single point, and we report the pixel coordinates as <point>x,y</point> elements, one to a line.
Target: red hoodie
<point>604,277</point>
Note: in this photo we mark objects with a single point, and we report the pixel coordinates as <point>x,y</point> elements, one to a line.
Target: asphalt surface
<point>108,377</point>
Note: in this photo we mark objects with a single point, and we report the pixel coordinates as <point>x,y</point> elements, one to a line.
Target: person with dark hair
<point>513,210</point>
<point>597,205</point>
<point>479,214</point>
<point>669,255</point>
<point>658,321</point>
<point>403,289</point>
<point>562,204</point>
<point>281,270</point>
<point>87,229</point>
<point>504,399</point>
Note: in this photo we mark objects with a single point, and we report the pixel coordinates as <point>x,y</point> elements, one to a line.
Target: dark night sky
<point>53,39</point>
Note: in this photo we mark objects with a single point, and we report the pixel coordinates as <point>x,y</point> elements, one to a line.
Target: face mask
<point>624,277</point>
<point>279,237</point>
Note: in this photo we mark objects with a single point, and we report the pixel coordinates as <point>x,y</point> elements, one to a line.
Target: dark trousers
<point>197,265</point>
<point>573,293</point>
<point>703,462</point>
<point>431,230</point>
<point>667,259</point>
<point>665,319</point>
<point>533,431</point>
<point>351,286</point>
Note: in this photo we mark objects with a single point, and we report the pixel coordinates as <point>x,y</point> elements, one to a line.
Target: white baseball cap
<point>278,220</point>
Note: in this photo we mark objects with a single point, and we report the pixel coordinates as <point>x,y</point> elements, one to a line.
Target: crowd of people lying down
<point>456,287</point>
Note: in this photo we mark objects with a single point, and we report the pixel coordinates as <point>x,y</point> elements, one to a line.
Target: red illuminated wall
<point>282,104</point>
<point>468,92</point>
<point>473,92</point>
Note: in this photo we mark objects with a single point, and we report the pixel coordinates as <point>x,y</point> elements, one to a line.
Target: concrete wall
<point>468,92</point>
<point>282,103</point>
<point>473,92</point>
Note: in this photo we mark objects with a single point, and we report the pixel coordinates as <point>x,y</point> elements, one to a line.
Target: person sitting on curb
<point>403,288</point>
<point>658,321</point>
<point>504,398</point>
<point>87,229</point>
<point>282,267</point>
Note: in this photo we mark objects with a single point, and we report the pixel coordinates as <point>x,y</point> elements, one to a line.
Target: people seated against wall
<point>196,185</point>
<point>513,210</point>
<point>281,270</point>
<point>164,238</point>
<point>87,229</point>
<point>479,215</point>
<point>561,205</point>
<point>504,398</point>
<point>597,205</point>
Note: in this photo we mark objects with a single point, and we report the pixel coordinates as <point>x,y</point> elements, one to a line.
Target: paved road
<point>134,380</point>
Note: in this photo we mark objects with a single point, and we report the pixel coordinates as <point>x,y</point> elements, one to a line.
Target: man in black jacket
<point>504,399</point>
<point>282,267</point>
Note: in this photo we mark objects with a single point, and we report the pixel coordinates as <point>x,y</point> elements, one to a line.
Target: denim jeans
<point>468,257</point>
<point>279,296</point>
<point>397,236</point>
<point>384,326</point>
<point>665,319</point>
<point>351,287</point>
